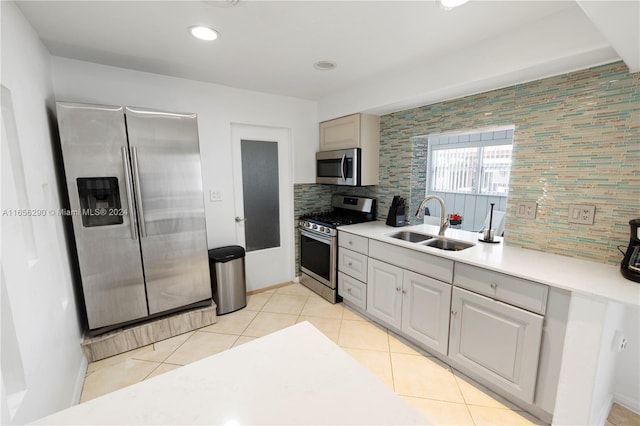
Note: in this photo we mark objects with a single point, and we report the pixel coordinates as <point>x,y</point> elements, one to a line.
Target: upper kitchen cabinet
<point>355,131</point>
<point>352,131</point>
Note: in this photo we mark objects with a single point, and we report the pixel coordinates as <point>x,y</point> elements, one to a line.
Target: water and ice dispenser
<point>99,201</point>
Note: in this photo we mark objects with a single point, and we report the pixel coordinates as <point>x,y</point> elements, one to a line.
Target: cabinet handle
<point>404,291</point>
<point>348,290</point>
<point>350,264</point>
<point>494,285</point>
<point>350,242</point>
<point>454,313</point>
<point>397,288</point>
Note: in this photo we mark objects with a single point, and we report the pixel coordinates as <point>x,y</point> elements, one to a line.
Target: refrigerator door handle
<point>127,179</point>
<point>138,192</point>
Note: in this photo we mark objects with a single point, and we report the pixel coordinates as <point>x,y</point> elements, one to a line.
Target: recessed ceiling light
<point>450,4</point>
<point>203,33</point>
<point>324,65</point>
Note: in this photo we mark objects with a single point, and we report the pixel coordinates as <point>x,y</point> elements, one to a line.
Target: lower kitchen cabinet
<point>425,310</point>
<point>497,341</point>
<point>410,302</point>
<point>384,292</point>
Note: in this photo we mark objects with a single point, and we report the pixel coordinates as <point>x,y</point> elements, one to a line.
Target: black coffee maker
<point>630,266</point>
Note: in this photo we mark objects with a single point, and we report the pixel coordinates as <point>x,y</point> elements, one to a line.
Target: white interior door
<point>263,191</point>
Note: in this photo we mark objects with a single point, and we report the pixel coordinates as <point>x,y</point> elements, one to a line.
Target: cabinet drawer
<point>525,294</point>
<point>352,263</point>
<point>413,260</point>
<point>352,291</point>
<point>353,242</point>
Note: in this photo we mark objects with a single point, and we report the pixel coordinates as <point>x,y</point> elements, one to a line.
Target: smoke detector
<point>324,65</point>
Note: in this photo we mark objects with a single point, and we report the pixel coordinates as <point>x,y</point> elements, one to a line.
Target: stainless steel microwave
<point>340,167</point>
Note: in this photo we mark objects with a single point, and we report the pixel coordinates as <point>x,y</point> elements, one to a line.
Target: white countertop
<point>575,275</point>
<point>294,376</point>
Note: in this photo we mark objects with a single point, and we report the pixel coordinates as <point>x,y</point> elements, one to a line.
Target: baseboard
<point>271,287</point>
<point>628,403</point>
<point>604,411</point>
<point>77,388</point>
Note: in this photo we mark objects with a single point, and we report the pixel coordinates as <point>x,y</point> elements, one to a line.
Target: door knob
<point>240,219</point>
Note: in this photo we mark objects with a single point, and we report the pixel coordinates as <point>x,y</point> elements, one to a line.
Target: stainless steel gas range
<point>319,242</point>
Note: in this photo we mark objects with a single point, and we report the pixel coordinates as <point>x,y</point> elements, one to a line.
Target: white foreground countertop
<point>575,275</point>
<point>295,376</point>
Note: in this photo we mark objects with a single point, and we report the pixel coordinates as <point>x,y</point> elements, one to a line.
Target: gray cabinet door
<point>384,292</point>
<point>425,310</point>
<point>168,185</point>
<point>496,341</point>
<point>96,163</point>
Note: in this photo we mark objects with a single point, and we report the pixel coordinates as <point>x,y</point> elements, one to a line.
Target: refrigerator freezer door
<point>168,186</point>
<point>94,142</point>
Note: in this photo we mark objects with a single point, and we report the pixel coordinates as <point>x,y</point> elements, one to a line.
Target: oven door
<point>318,257</point>
<point>341,167</point>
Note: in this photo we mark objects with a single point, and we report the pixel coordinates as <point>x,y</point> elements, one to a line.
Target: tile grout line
<point>393,380</point>
<point>466,404</point>
<point>151,372</point>
<point>340,328</point>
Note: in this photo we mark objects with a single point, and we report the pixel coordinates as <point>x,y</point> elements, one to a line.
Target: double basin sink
<point>441,243</point>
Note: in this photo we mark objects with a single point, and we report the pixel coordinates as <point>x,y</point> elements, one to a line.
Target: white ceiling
<point>270,46</point>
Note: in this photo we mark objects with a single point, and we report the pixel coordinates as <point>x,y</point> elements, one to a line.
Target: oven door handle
<point>313,235</point>
<point>342,163</point>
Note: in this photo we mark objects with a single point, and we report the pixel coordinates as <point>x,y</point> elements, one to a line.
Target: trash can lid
<point>227,253</point>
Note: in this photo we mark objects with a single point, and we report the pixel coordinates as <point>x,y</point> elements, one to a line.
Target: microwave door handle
<point>342,163</point>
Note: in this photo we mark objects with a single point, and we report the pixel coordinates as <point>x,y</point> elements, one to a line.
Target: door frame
<point>283,136</point>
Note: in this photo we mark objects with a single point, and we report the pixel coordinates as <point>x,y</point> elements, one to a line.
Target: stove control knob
<point>321,229</point>
<point>314,226</point>
<point>328,231</point>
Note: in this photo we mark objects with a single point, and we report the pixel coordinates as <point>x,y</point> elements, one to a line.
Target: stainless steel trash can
<point>228,283</point>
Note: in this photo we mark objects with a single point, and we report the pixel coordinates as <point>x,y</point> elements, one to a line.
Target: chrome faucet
<point>444,223</point>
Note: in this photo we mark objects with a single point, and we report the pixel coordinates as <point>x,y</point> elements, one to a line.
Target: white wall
<point>217,107</point>
<point>626,388</point>
<point>41,331</point>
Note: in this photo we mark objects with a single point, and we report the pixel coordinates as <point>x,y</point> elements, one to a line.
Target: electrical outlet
<point>582,213</point>
<point>526,209</point>
<point>619,342</point>
<point>215,195</point>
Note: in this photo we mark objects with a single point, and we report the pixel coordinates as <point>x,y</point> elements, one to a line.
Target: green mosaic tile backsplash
<point>576,141</point>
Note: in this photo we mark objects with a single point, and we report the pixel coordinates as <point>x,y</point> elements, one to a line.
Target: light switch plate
<point>215,195</point>
<point>582,213</point>
<point>526,209</point>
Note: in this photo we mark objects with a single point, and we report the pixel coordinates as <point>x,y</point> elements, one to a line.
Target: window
<point>471,167</point>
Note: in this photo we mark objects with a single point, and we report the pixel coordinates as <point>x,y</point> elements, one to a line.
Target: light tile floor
<point>433,388</point>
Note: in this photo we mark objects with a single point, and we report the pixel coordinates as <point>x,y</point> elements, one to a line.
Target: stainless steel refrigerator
<point>135,192</point>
